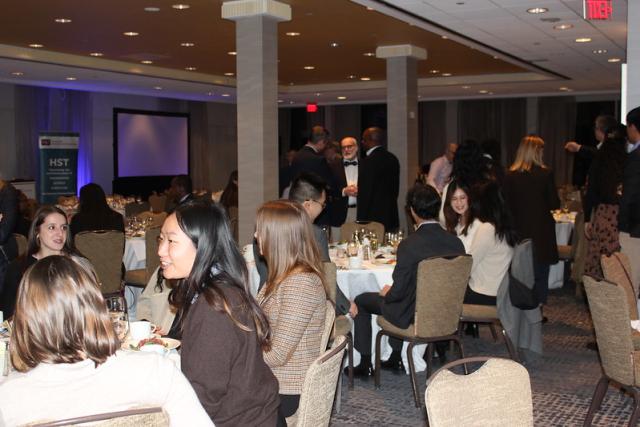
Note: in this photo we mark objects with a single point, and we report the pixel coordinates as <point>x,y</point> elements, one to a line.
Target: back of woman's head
<point>33,242</point>
<point>92,199</point>
<point>60,316</point>
<point>469,163</point>
<point>530,153</point>
<point>286,240</point>
<point>612,154</point>
<point>488,205</point>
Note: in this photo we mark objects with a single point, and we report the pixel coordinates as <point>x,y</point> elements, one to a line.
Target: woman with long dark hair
<point>223,329</point>
<point>229,196</point>
<point>603,197</point>
<point>94,213</point>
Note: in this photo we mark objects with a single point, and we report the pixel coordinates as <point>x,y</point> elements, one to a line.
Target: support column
<point>633,56</point>
<point>402,112</point>
<point>257,104</point>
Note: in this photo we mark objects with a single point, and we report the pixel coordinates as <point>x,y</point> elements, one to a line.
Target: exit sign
<point>597,9</point>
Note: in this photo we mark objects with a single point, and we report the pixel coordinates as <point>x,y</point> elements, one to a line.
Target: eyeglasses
<point>323,204</point>
<point>349,147</point>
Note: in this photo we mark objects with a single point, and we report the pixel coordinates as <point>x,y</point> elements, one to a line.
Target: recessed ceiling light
<point>537,10</point>
<point>131,34</point>
<point>71,78</point>
<point>146,61</point>
<point>232,53</point>
<point>187,44</point>
<point>36,45</point>
<point>228,74</point>
<point>63,20</point>
<point>181,6</point>
<point>334,44</point>
<point>157,87</point>
<point>318,94</point>
<point>293,34</point>
<point>600,51</point>
<point>562,27</point>
<point>613,60</point>
<point>291,83</point>
<point>152,9</point>
<point>210,93</point>
<point>351,76</point>
<point>17,73</point>
<point>369,8</point>
<point>190,68</point>
<point>444,37</point>
<point>583,39</point>
<point>434,71</point>
<point>466,87</point>
<point>280,101</point>
<point>342,98</point>
<point>483,91</point>
<point>369,54</point>
<point>96,54</point>
<point>564,89</point>
<point>225,95</point>
<point>309,67</point>
<point>365,79</point>
<point>290,102</point>
<point>446,74</point>
<point>496,57</point>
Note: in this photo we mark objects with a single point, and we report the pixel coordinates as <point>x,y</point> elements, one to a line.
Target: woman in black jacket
<point>94,213</point>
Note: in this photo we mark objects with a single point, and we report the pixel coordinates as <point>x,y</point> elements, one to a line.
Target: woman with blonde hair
<point>64,345</point>
<point>530,192</point>
<point>293,296</point>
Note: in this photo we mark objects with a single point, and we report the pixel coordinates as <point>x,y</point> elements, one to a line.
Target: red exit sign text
<point>597,9</point>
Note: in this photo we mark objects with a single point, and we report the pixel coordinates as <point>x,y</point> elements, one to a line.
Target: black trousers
<point>472,297</point>
<point>288,406</point>
<point>369,303</point>
<point>541,281</point>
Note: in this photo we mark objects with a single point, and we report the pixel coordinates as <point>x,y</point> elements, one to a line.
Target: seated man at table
<point>397,302</point>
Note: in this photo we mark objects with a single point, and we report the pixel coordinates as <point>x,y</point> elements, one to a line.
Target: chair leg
<point>510,347</point>
<point>430,349</point>
<point>337,400</point>
<point>460,327</point>
<point>493,332</point>
<point>350,359</point>
<point>376,371</point>
<point>461,350</point>
<point>636,407</point>
<point>412,374</point>
<point>596,400</point>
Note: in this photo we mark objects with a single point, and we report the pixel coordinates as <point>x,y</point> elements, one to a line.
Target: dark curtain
<point>556,125</point>
<point>432,132</point>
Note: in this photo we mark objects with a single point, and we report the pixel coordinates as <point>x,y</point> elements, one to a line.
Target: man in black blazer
<point>629,214</point>
<point>345,173</point>
<point>180,192</point>
<point>378,182</point>
<point>397,302</point>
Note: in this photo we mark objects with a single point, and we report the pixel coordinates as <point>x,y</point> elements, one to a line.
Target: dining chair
<point>619,358</point>
<point>497,394</point>
<point>157,202</point>
<point>104,249</point>
<point>157,218</point>
<point>134,208</point>
<point>617,269</point>
<point>347,229</point>
<point>441,284</point>
<point>21,241</point>
<point>141,417</point>
<point>140,277</point>
<point>319,388</point>
<point>487,315</point>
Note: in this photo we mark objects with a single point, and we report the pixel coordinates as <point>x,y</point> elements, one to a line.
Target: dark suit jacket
<point>532,196</point>
<point>340,204</point>
<point>307,160</point>
<point>430,240</point>
<point>629,214</point>
<point>378,186</point>
<point>9,211</point>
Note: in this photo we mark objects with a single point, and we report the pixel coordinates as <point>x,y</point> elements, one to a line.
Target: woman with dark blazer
<point>531,194</point>
<point>94,213</point>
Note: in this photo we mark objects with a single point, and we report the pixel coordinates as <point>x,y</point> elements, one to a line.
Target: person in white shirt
<point>480,219</point>
<point>65,350</point>
<point>440,169</point>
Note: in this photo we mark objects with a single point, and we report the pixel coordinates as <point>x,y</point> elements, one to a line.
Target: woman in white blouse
<point>480,219</point>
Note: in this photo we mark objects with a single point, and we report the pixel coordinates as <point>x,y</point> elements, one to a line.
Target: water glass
<point>352,249</point>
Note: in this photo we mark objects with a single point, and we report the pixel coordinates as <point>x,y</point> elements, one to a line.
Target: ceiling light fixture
<point>36,45</point>
<point>351,76</point>
<point>131,33</point>
<point>483,91</point>
<point>318,94</point>
<point>232,53</point>
<point>96,54</point>
<point>152,9</point>
<point>228,74</point>
<point>447,74</point>
<point>71,78</point>
<point>562,27</point>
<point>17,73</point>
<point>157,87</point>
<point>62,20</point>
<point>365,79</point>
<point>613,60</point>
<point>210,93</point>
<point>537,10</point>
<point>225,95</point>
<point>309,67</point>
<point>564,89</point>
<point>292,34</point>
<point>187,44</point>
<point>583,39</point>
<point>334,44</point>
<point>600,51</point>
<point>444,37</point>
<point>434,71</point>
<point>280,101</point>
<point>190,68</point>
<point>180,6</point>
<point>466,87</point>
<point>342,98</point>
<point>369,54</point>
<point>146,61</point>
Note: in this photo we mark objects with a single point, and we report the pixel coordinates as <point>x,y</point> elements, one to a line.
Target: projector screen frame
<point>117,111</point>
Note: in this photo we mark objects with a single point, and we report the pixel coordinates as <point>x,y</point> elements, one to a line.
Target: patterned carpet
<point>563,380</point>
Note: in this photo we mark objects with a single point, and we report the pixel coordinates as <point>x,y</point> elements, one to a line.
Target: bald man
<point>345,173</point>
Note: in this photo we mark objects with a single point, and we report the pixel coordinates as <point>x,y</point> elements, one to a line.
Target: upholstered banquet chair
<point>104,249</point>
<point>319,388</point>
<point>142,417</point>
<point>347,229</point>
<point>487,315</point>
<point>619,357</point>
<point>440,291</point>
<point>141,276</point>
<point>157,218</point>
<point>617,269</point>
<point>497,394</point>
<point>157,202</point>
<point>21,241</point>
<point>134,208</point>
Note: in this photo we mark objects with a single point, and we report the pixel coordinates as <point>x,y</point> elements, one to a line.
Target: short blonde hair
<point>287,242</point>
<point>60,316</point>
<point>530,153</point>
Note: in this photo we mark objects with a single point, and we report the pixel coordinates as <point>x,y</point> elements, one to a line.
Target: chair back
<point>151,251</point>
<point>330,280</point>
<point>440,291</point>
<point>347,229</point>
<point>233,221</point>
<point>158,218</point>
<point>577,233</point>
<point>617,269</point>
<point>129,418</point>
<point>497,394</point>
<point>158,203</point>
<point>21,241</point>
<point>610,315</point>
<point>105,250</point>
<point>134,208</point>
<point>319,387</point>
<point>329,319</point>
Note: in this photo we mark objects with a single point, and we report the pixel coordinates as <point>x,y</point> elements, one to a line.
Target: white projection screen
<point>150,143</point>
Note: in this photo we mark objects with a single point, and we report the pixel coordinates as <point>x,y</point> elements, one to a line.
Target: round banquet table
<point>135,253</point>
<point>371,278</point>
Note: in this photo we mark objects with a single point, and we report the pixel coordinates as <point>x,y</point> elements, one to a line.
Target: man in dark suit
<point>397,302</point>
<point>345,173</point>
<point>8,219</point>
<point>311,159</point>
<point>378,182</point>
<point>180,192</point>
<point>629,214</point>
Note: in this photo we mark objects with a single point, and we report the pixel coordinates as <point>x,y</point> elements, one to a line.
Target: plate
<point>169,344</point>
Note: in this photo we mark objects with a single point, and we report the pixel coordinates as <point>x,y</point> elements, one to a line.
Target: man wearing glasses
<point>345,172</point>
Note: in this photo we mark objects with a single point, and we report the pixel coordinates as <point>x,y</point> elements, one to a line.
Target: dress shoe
<point>363,370</point>
<point>393,364</point>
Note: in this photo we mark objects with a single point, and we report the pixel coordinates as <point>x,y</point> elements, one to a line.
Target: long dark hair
<point>609,169</point>
<point>488,205</point>
<point>93,200</point>
<point>33,243</point>
<point>451,218</point>
<point>469,163</point>
<point>229,196</point>
<point>218,262</point>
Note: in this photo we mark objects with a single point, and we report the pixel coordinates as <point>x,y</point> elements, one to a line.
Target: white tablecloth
<point>135,253</point>
<point>556,272</point>
<point>372,278</point>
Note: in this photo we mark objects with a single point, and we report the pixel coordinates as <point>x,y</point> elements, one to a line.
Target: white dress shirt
<point>351,173</point>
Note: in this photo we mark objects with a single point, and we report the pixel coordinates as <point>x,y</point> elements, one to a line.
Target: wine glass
<point>352,249</point>
<point>117,307</point>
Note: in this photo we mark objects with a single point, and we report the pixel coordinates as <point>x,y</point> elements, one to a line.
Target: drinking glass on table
<point>117,307</point>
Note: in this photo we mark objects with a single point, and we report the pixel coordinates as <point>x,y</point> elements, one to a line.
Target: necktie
<point>348,163</point>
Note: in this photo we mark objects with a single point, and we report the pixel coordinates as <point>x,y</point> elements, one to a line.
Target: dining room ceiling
<point>186,50</point>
